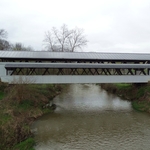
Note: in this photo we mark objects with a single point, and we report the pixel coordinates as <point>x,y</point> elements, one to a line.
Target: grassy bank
<point>20,105</point>
<point>138,94</point>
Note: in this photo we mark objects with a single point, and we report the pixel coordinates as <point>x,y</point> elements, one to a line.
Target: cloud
<point>109,25</point>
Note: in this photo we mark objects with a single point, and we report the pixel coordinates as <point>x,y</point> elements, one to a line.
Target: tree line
<point>6,45</point>
<point>55,40</point>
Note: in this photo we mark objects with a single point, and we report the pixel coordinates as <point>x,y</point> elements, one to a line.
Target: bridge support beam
<point>67,79</point>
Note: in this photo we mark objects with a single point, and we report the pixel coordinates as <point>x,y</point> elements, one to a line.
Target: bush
<point>21,105</point>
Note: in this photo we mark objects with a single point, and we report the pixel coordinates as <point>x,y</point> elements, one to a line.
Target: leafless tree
<point>20,47</point>
<point>50,41</point>
<point>76,39</point>
<point>4,44</point>
<point>3,34</point>
<point>64,39</point>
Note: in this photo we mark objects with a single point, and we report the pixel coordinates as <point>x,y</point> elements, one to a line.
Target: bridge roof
<point>45,55</point>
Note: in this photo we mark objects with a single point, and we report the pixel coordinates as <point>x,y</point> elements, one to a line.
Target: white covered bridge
<point>78,67</point>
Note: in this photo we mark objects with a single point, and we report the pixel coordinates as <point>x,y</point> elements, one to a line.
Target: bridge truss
<point>76,69</point>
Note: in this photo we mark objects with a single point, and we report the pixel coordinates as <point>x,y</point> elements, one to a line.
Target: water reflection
<point>88,118</point>
<point>90,98</point>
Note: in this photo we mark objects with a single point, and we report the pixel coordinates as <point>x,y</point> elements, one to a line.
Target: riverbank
<point>138,94</point>
<point>20,105</point>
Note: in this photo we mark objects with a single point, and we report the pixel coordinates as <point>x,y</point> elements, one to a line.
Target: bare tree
<point>65,39</point>
<point>4,44</point>
<point>3,34</point>
<point>76,39</point>
<point>20,47</point>
<point>50,40</point>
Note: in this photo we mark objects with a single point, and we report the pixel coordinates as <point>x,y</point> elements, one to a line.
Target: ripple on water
<point>89,119</point>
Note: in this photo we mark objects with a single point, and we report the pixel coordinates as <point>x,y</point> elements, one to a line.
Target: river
<point>88,118</point>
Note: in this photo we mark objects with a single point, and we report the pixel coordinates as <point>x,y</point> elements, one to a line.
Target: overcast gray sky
<point>109,25</point>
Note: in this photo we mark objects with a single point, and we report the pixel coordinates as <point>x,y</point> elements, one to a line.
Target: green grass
<point>141,106</point>
<point>47,110</point>
<point>142,90</point>
<point>46,89</point>
<point>25,105</point>
<point>1,95</point>
<point>4,119</point>
<point>123,85</point>
<point>25,145</point>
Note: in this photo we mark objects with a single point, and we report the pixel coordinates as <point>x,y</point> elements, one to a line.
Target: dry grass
<point>19,108</point>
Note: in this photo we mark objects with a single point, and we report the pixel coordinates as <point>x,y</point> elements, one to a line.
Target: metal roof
<point>74,65</point>
<point>46,55</point>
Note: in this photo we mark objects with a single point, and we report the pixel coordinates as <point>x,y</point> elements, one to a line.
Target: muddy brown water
<point>88,118</point>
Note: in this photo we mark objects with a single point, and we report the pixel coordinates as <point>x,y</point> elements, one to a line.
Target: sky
<point>109,25</point>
